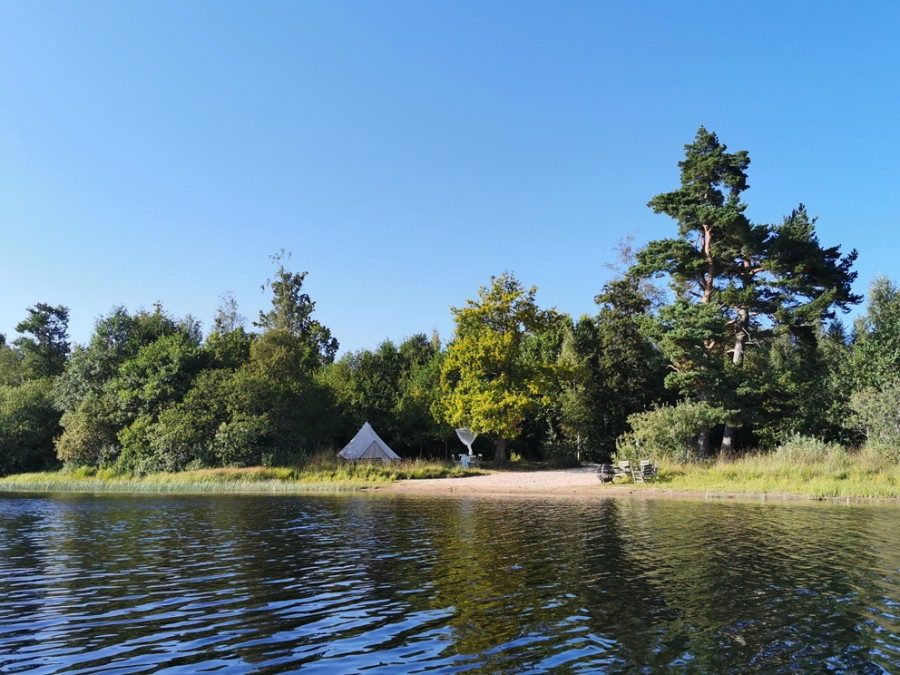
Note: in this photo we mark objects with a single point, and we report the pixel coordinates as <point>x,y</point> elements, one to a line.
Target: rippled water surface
<point>390,584</point>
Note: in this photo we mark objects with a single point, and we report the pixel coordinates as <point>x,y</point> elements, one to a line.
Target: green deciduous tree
<point>96,403</point>
<point>12,372</point>
<point>877,414</point>
<point>489,383</point>
<point>875,355</point>
<point>28,424</point>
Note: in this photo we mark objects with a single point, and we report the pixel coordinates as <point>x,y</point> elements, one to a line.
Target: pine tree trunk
<point>727,439</point>
<point>703,444</point>
<point>742,332</point>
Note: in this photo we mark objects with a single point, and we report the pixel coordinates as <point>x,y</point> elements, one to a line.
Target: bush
<point>807,450</point>
<point>877,414</point>
<point>668,432</point>
<point>237,443</point>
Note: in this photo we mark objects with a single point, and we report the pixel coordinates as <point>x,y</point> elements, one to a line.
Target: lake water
<point>387,584</point>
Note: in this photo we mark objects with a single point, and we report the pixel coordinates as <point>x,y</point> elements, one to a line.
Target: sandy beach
<point>581,482</point>
<point>578,483</point>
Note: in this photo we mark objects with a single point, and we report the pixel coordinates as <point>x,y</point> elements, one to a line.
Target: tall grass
<point>323,473</point>
<point>801,467</point>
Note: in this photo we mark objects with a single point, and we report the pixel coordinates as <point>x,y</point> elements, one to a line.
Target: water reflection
<point>381,584</point>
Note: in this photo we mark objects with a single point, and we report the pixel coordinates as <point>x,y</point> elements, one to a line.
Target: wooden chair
<point>623,470</point>
<point>647,471</point>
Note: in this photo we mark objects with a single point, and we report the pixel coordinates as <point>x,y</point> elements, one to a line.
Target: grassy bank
<point>809,471</point>
<point>319,475</point>
<point>829,474</point>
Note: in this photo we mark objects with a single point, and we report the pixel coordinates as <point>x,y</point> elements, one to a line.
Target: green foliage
<point>159,374</point>
<point>133,367</point>
<point>44,353</point>
<point>12,371</point>
<point>117,338</point>
<point>417,426</point>
<point>877,413</point>
<point>689,334</point>
<point>393,388</point>
<point>875,356</point>
<point>229,349</point>
<point>800,449</point>
<point>616,370</point>
<point>28,423</point>
<point>733,280</point>
<point>291,313</point>
<point>90,433</point>
<point>668,432</point>
<point>489,384</point>
<point>239,441</point>
<point>798,388</point>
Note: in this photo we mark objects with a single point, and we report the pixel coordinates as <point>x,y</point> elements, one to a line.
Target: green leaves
<point>735,282</point>
<point>488,381</point>
<point>44,353</point>
<point>28,423</point>
<point>291,313</point>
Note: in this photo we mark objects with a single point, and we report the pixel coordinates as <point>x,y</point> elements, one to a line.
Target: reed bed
<point>320,475</point>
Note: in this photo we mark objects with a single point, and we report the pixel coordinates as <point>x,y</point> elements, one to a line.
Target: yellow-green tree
<point>490,383</point>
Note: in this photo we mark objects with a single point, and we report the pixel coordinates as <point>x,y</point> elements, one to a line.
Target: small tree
<point>668,431</point>
<point>28,423</point>
<point>877,413</point>
<point>875,354</point>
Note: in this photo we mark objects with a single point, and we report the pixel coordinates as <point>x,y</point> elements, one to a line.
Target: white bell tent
<point>368,445</point>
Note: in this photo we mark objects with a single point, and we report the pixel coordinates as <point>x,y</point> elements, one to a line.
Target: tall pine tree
<point>755,278</point>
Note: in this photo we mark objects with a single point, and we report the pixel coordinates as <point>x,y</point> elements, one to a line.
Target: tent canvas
<point>367,445</point>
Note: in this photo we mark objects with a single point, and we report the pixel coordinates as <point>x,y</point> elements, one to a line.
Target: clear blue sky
<point>406,151</point>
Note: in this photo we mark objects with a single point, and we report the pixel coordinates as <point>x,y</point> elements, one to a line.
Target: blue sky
<point>406,151</point>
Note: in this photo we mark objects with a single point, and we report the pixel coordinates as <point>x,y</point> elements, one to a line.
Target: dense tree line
<point>742,349</point>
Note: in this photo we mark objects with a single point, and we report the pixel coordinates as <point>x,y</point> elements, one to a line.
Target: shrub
<point>668,432</point>
<point>877,414</point>
<point>808,450</point>
<point>237,443</point>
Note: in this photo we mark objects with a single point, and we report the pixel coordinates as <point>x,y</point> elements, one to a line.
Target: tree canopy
<point>489,385</point>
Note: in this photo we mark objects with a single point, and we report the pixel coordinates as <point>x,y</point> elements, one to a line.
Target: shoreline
<point>579,483</point>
